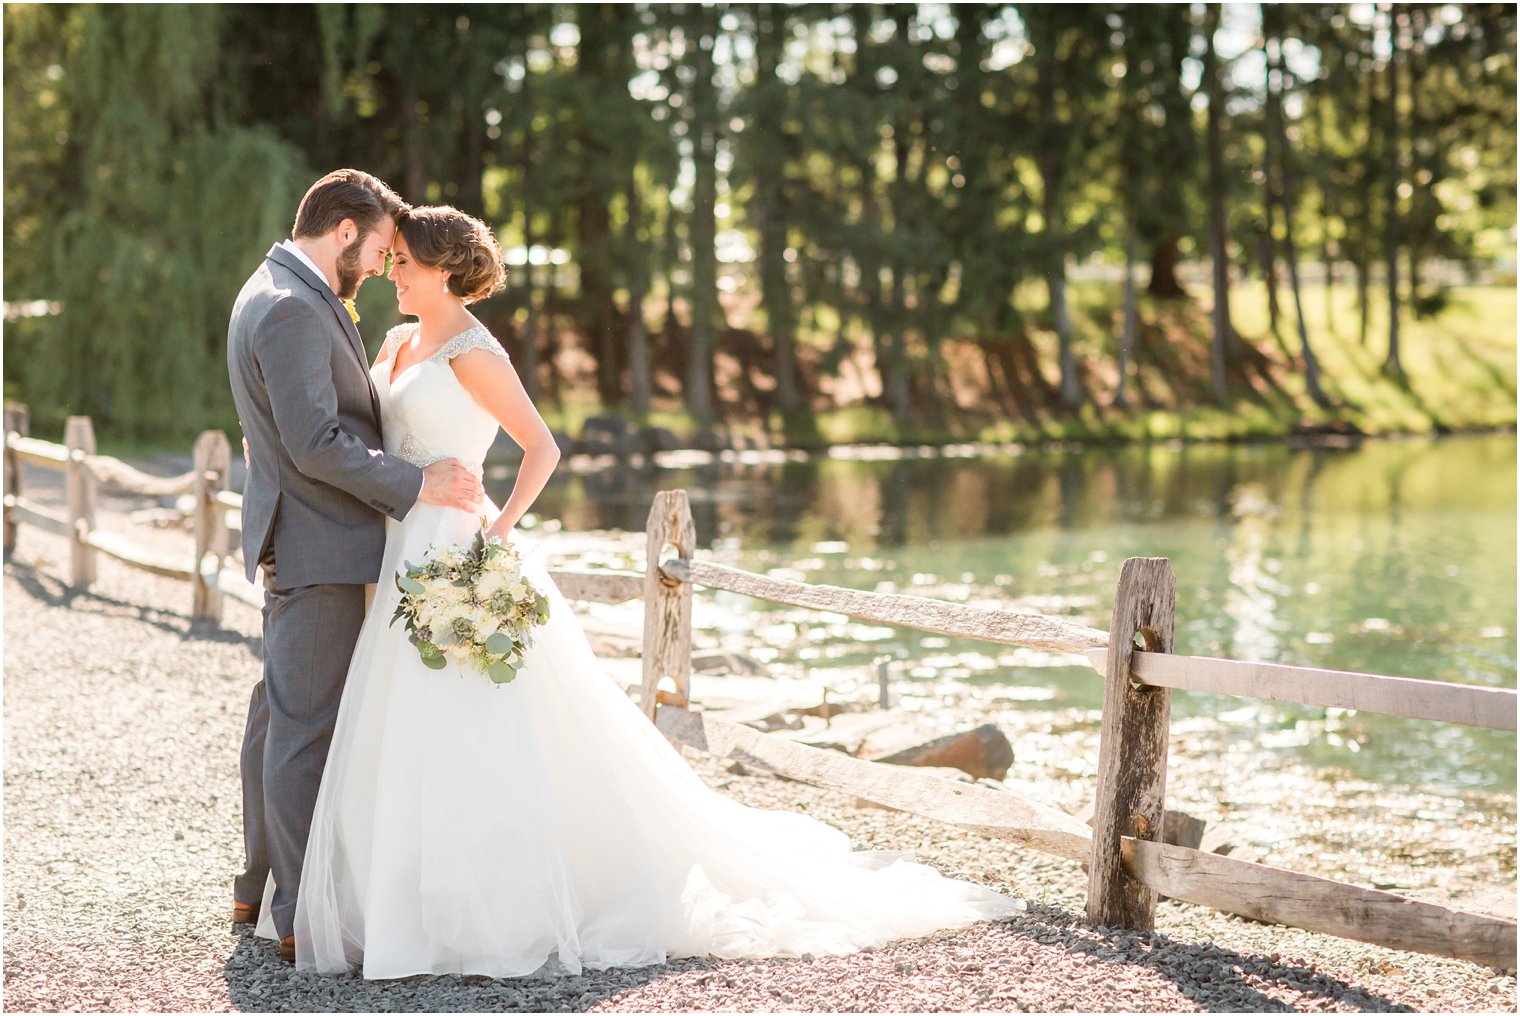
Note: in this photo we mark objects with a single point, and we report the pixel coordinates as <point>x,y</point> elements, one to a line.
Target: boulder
<point>983,752</point>
<point>711,441</point>
<point>659,439</point>
<point>608,435</point>
<point>1221,840</point>
<point>723,662</point>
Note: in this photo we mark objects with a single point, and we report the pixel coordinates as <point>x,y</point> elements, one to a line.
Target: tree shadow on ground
<point>1216,978</point>
<point>259,981</point>
<point>51,591</point>
<point>1495,374</point>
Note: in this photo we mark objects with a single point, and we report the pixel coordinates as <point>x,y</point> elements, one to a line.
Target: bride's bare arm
<point>493,383</point>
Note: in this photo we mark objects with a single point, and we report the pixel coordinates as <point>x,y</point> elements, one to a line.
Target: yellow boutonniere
<point>353,311</point>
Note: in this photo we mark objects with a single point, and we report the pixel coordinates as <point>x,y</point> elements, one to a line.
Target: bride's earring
<point>445,283</point>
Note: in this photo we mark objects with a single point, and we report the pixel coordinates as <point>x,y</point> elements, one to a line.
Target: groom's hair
<point>345,194</point>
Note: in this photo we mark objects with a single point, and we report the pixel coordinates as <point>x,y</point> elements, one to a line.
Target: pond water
<point>1391,556</point>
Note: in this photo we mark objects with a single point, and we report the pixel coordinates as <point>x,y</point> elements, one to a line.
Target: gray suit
<point>317,492</point>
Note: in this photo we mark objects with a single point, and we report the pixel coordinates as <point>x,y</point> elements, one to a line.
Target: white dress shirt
<point>290,245</point>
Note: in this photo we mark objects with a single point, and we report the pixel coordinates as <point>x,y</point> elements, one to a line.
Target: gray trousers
<point>309,636</point>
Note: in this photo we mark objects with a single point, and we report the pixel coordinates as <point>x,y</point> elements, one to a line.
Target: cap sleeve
<point>394,339</point>
<point>475,338</point>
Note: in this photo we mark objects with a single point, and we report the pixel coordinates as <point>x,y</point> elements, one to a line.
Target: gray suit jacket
<point>319,484</point>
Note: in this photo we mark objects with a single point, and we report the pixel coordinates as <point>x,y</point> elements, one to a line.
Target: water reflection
<point>1393,557</point>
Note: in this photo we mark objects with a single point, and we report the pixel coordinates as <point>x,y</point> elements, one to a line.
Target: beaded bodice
<point>425,413</point>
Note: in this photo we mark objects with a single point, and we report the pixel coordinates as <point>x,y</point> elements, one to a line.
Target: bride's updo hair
<point>445,239</point>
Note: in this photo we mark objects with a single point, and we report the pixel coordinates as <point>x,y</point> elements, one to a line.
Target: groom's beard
<point>350,270</point>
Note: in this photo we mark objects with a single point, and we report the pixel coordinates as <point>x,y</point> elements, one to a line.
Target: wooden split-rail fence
<point>1129,865</point>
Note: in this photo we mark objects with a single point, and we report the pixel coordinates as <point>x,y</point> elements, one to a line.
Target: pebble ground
<point>122,725</point>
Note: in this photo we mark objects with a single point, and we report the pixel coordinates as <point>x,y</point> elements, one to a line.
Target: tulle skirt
<point>468,828</point>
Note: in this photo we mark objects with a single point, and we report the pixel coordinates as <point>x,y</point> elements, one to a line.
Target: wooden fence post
<point>1131,797</point>
<point>15,423</point>
<point>213,471</point>
<point>667,602</point>
<point>79,437</point>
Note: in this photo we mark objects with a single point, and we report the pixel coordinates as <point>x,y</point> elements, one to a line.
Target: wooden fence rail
<point>1258,891</point>
<point>1128,866</point>
<point>85,473</point>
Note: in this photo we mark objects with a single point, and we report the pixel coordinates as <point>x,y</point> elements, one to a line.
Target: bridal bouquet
<point>471,605</point>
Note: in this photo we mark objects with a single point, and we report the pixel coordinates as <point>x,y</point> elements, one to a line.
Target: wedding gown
<point>468,828</point>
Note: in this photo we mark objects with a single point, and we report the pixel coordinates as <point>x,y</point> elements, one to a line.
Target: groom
<point>319,488</point>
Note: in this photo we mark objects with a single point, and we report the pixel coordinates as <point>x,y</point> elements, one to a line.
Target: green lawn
<point>1459,365</point>
<point>1459,373</point>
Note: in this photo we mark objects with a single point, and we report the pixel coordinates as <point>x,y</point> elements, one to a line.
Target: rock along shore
<point>122,833</point>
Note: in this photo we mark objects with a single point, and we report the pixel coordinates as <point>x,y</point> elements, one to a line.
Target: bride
<point>468,828</point>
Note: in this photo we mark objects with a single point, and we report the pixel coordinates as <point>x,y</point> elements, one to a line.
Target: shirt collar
<point>298,252</point>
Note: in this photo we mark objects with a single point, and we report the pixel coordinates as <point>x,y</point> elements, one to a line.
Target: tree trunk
<point>1367,179</point>
<point>1329,264</point>
<point>704,261</point>
<point>1327,253</point>
<point>775,288</point>
<point>1052,175</point>
<point>550,298</point>
<point>528,369</point>
<point>1363,299</point>
<point>1127,337</point>
<point>413,152</point>
<point>638,291</point>
<point>1222,345</point>
<point>1164,258</point>
<point>899,396</point>
<point>1267,249</point>
<point>1269,210</point>
<point>594,216</point>
<point>1391,179</point>
<point>1275,83</point>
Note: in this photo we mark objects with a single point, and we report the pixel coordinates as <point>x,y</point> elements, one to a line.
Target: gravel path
<point>122,724</point>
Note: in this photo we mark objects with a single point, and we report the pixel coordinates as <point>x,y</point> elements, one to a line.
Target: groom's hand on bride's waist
<point>452,485</point>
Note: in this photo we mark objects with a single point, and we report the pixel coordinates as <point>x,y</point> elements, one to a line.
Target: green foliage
<point>908,177</point>
<point>172,209</point>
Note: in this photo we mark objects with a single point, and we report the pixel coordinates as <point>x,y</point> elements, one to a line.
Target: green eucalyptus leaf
<point>499,644</point>
<point>435,662</point>
<point>501,673</point>
<point>410,585</point>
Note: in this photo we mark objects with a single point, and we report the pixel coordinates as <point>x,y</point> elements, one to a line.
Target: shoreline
<point>689,457</point>
<point>504,454</point>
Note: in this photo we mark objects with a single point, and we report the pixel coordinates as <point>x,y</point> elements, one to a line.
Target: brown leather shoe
<point>245,913</point>
<point>288,948</point>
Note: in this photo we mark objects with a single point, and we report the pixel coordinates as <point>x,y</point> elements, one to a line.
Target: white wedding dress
<point>468,828</point>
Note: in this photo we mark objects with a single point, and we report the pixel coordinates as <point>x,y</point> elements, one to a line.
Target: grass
<point>1459,365</point>
<point>1459,374</point>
